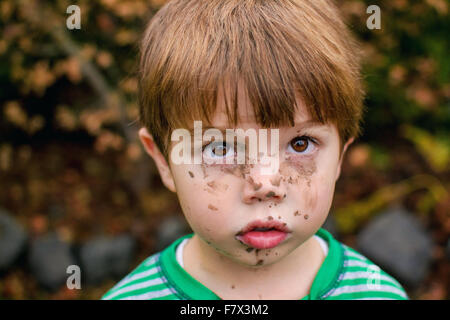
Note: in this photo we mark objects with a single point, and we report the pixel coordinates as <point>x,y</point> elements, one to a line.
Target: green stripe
<point>354,269</point>
<point>346,257</point>
<point>169,297</point>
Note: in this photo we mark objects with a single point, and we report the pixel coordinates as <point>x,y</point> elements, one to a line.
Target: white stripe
<point>355,255</point>
<point>152,259</point>
<point>150,295</point>
<point>364,287</point>
<point>368,275</point>
<point>138,286</point>
<point>179,252</point>
<point>136,277</point>
<point>355,263</point>
<point>372,268</point>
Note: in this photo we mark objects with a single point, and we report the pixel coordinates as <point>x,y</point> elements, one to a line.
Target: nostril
<point>268,196</point>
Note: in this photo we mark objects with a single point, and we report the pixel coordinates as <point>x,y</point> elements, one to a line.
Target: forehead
<point>245,110</point>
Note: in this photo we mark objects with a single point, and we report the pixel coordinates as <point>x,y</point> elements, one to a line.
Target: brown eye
<point>220,150</point>
<point>299,144</point>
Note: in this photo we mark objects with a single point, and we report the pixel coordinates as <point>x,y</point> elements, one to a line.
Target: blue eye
<point>217,150</point>
<point>301,145</point>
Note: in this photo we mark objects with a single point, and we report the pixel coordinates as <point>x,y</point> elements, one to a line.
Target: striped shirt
<point>345,274</point>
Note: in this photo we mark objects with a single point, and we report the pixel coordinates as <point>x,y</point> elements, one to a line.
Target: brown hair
<point>278,47</point>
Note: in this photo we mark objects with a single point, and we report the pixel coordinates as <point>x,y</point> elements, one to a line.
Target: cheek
<point>319,195</point>
<point>314,183</point>
<point>206,201</point>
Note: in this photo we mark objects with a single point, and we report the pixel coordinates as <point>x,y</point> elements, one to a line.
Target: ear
<point>344,149</point>
<point>161,163</point>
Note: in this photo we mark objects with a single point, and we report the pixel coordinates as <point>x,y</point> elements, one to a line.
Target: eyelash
<point>309,139</point>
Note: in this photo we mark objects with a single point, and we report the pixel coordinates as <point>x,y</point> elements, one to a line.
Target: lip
<point>263,239</point>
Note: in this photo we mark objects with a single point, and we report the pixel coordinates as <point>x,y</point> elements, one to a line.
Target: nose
<point>260,187</point>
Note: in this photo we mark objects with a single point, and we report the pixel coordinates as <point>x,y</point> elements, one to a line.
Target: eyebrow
<point>310,124</point>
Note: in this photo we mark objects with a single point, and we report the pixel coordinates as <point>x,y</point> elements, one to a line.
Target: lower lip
<point>263,239</point>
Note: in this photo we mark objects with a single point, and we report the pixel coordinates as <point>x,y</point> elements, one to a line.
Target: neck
<point>289,278</point>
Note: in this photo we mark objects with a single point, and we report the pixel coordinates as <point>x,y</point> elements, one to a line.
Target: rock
<point>171,229</point>
<point>105,257</point>
<point>398,242</point>
<point>49,258</point>
<point>12,240</point>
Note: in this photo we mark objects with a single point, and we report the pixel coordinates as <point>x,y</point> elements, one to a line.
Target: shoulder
<point>360,278</point>
<point>145,282</point>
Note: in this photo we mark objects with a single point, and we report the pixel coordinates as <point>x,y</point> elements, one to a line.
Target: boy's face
<point>227,204</point>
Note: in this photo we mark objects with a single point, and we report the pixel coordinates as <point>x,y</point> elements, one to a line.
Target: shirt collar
<point>191,289</point>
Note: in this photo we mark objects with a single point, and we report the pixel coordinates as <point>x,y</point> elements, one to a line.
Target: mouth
<point>263,234</point>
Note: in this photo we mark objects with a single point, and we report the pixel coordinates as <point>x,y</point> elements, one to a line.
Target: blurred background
<point>77,188</point>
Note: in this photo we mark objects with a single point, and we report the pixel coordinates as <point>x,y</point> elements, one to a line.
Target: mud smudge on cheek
<point>232,286</point>
<point>231,169</point>
<point>296,213</point>
<point>312,199</point>
<point>212,185</point>
<point>191,174</point>
<point>306,217</point>
<point>210,206</point>
<point>238,170</point>
<point>216,187</point>
<point>302,170</point>
<point>305,170</point>
<point>260,262</point>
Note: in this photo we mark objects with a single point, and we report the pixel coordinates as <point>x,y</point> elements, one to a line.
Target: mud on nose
<point>263,188</point>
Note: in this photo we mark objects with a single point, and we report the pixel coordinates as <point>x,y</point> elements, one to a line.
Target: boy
<point>242,66</point>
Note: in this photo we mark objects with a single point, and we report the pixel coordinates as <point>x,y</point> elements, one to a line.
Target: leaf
<point>435,151</point>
